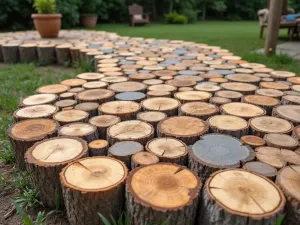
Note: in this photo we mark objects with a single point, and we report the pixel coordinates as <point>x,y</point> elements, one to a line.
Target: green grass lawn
<point>239,37</point>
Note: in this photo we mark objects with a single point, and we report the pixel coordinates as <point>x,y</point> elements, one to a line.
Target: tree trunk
<point>204,11</point>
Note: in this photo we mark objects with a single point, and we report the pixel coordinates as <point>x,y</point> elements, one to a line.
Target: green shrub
<point>191,15</point>
<point>45,6</point>
<point>70,12</point>
<point>90,6</point>
<point>175,18</point>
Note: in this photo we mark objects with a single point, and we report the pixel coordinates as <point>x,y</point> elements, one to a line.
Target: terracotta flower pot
<point>48,25</point>
<point>89,20</point>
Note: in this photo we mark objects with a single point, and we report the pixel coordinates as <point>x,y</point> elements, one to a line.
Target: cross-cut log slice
<point>218,151</point>
<point>252,65</point>
<point>240,196</point>
<point>103,122</point>
<point>265,102</point>
<point>267,124</point>
<point>282,75</point>
<point>74,82</point>
<point>296,132</point>
<point>152,117</point>
<point>185,128</point>
<point>94,85</point>
<point>161,104</point>
<point>244,78</point>
<point>243,110</point>
<point>124,150</point>
<point>143,159</point>
<point>269,92</point>
<point>53,89</point>
<point>26,133</point>
<point>90,107</point>
<point>244,88</point>
<point>163,87</point>
<point>151,82</point>
<point>141,76</point>
<point>28,53</point>
<point>38,99</point>
<point>200,110</point>
<point>90,76</point>
<point>288,179</point>
<point>46,54</point>
<point>261,168</point>
<point>168,150</point>
<point>288,112</point>
<point>127,86</point>
<point>218,101</point>
<point>114,79</point>
<point>294,80</point>
<point>207,87</point>
<point>10,52</point>
<point>281,141</point>
<point>181,83</point>
<point>190,96</point>
<point>35,112</point>
<point>234,96</point>
<point>46,159</point>
<point>63,53</point>
<point>96,95</point>
<point>67,103</point>
<point>252,141</point>
<point>98,148</point>
<point>131,130</point>
<point>71,116</point>
<point>85,131</point>
<point>290,100</point>
<point>126,110</point>
<point>274,85</point>
<point>88,182</point>
<point>226,124</point>
<point>157,192</point>
<point>155,94</point>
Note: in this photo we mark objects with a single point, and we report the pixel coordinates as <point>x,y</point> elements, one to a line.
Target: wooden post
<point>273,27</point>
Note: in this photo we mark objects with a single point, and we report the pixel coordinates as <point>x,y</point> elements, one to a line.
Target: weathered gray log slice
<point>35,112</point>
<point>265,102</point>
<point>126,110</point>
<point>240,196</point>
<point>226,124</point>
<point>252,141</point>
<point>267,124</point>
<point>234,96</point>
<point>243,110</point>
<point>67,103</point>
<point>130,96</point>
<point>200,110</point>
<point>124,150</point>
<point>85,131</point>
<point>90,107</point>
<point>185,128</point>
<point>26,133</point>
<point>190,96</point>
<point>168,150</point>
<point>53,89</point>
<point>71,116</point>
<point>281,141</point>
<point>166,181</point>
<point>218,101</point>
<point>290,100</point>
<point>143,159</point>
<point>96,95</point>
<point>39,99</point>
<point>288,179</point>
<point>261,168</point>
<point>218,151</point>
<point>103,122</point>
<point>90,76</point>
<point>243,78</point>
<point>98,148</point>
<point>288,112</point>
<point>161,104</point>
<point>90,181</point>
<point>44,162</point>
<point>244,88</point>
<point>127,86</point>
<point>131,130</point>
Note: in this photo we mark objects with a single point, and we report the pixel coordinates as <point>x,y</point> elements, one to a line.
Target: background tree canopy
<point>15,14</point>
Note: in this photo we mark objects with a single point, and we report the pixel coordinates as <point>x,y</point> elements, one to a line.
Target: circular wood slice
<point>130,96</point>
<point>265,102</point>
<point>143,159</point>
<point>288,112</point>
<point>154,94</point>
<point>263,75</point>
<point>161,104</point>
<point>177,185</point>
<point>161,73</point>
<point>243,71</point>
<point>290,100</point>
<point>126,110</point>
<point>243,110</point>
<point>39,99</point>
<point>269,92</point>
<point>218,101</point>
<point>94,85</point>
<point>252,65</point>
<point>152,82</point>
<point>207,88</point>
<point>62,104</point>
<point>141,76</point>
<point>35,112</point>
<point>262,70</point>
<point>181,83</point>
<point>218,80</point>
<point>124,150</point>
<point>288,179</point>
<point>207,76</point>
<point>131,130</point>
<point>189,77</point>
<point>244,78</point>
<point>234,96</point>
<point>163,87</point>
<point>200,110</point>
<point>294,80</point>
<point>85,131</point>
<point>44,162</point>
<point>74,82</point>
<point>53,89</point>
<point>267,124</point>
<point>190,96</point>
<point>262,169</point>
<point>296,132</point>
<point>282,75</point>
<point>185,89</point>
<point>26,133</point>
<point>71,116</point>
<point>90,181</point>
<point>90,76</point>
<point>131,86</point>
<point>90,107</point>
<point>217,151</point>
<point>281,141</point>
<point>98,148</point>
<point>76,90</point>
<point>226,124</point>
<point>252,141</point>
<point>96,95</point>
<point>244,88</point>
<point>241,196</point>
<point>103,122</point>
<point>274,85</point>
<point>67,95</point>
<point>168,150</point>
<point>151,117</point>
<point>185,128</point>
<point>114,79</point>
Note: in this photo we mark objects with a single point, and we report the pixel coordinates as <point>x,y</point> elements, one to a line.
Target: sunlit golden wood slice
<point>96,95</point>
<point>282,75</point>
<point>252,141</point>
<point>113,73</point>
<point>74,82</point>
<point>244,78</point>
<point>294,80</point>
<point>200,110</point>
<point>185,128</point>
<point>171,190</point>
<point>243,110</point>
<point>266,102</point>
<point>131,130</point>
<point>161,73</point>
<point>218,80</point>
<point>230,125</point>
<point>288,112</point>
<point>281,141</point>
<point>38,99</point>
<point>94,85</point>
<point>114,79</point>
<point>269,92</point>
<point>90,107</point>
<point>84,131</point>
<point>53,89</point>
<point>274,85</point>
<point>109,69</point>
<point>141,76</point>
<point>224,67</point>
<point>86,182</point>
<point>153,68</point>
<point>103,122</point>
<point>218,101</point>
<point>234,96</point>
<point>76,90</point>
<point>190,96</point>
<point>189,77</point>
<point>241,196</point>
<point>244,88</point>
<point>98,147</point>
<point>35,112</point>
<point>231,57</point>
<point>90,76</point>
<point>168,106</point>
<point>71,116</point>
<point>128,86</point>
<point>143,159</point>
<point>288,179</point>
<point>262,169</point>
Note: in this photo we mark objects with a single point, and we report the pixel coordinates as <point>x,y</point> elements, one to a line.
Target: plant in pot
<point>88,12</point>
<point>47,21</point>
